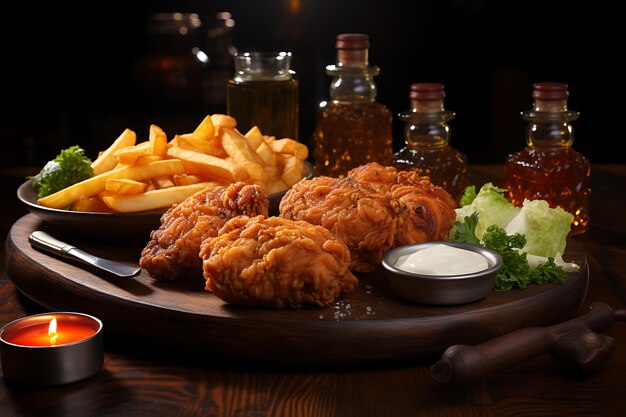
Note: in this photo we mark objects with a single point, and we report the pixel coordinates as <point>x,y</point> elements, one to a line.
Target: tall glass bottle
<point>352,128</point>
<point>548,168</point>
<point>427,137</point>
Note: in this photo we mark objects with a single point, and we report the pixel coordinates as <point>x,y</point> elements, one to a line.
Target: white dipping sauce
<point>442,260</point>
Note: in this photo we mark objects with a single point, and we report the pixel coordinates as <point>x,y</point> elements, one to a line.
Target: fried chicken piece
<point>276,262</point>
<point>173,250</point>
<point>428,210</point>
<point>373,210</point>
<point>355,213</point>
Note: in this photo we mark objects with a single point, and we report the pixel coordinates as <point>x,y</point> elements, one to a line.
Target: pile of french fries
<point>155,174</point>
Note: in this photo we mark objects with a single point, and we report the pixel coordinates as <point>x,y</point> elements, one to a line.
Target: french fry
<point>255,137</point>
<point>90,204</point>
<point>147,159</point>
<point>124,186</point>
<point>293,170</point>
<point>266,153</point>
<point>156,199</point>
<point>187,179</point>
<point>208,165</point>
<point>93,185</point>
<point>290,146</point>
<point>130,154</point>
<point>271,174</point>
<point>268,139</point>
<point>183,141</point>
<point>277,185</point>
<point>163,182</point>
<point>158,141</point>
<point>236,145</point>
<point>106,159</point>
<point>205,129</point>
<point>224,121</point>
<point>211,146</point>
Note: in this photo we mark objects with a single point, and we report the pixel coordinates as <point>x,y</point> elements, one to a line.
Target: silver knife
<point>44,241</point>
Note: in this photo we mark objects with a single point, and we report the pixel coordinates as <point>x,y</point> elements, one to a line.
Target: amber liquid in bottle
<point>427,137</point>
<point>264,93</point>
<point>347,136</point>
<point>352,128</point>
<point>266,104</point>
<point>549,168</point>
<point>445,167</point>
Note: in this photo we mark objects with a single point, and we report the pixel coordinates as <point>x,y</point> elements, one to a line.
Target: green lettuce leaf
<point>492,207</point>
<point>545,228</point>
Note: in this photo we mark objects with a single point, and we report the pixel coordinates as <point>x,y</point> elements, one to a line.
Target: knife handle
<point>575,342</point>
<point>44,241</point>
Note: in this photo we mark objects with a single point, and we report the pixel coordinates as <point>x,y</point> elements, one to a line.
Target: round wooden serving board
<point>370,325</point>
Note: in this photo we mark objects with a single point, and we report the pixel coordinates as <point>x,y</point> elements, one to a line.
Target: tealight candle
<point>51,348</point>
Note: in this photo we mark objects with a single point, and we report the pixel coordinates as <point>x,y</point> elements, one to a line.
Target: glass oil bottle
<point>427,137</point>
<point>549,168</point>
<point>352,128</point>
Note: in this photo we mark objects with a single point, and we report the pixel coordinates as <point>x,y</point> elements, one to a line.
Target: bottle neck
<point>552,106</point>
<point>352,57</point>
<point>425,137</point>
<point>550,124</point>
<point>353,77</point>
<point>427,106</point>
<point>549,135</point>
<point>427,124</point>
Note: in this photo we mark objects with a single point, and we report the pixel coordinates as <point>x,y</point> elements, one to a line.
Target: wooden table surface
<point>139,382</point>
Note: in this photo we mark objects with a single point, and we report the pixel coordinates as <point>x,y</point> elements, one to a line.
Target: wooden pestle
<point>575,342</point>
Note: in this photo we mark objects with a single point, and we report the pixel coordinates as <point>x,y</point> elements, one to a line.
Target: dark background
<point>73,74</point>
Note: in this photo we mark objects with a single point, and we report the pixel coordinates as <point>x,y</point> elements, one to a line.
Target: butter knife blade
<point>44,241</point>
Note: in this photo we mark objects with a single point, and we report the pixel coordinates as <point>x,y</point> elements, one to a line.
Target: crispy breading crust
<point>276,262</point>
<point>173,249</point>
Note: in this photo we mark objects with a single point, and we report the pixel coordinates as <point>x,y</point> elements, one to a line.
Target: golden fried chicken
<point>276,262</point>
<point>355,213</point>
<point>428,210</point>
<point>173,250</point>
<point>373,210</point>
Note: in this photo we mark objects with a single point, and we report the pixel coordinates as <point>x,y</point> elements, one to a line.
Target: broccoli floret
<point>68,168</point>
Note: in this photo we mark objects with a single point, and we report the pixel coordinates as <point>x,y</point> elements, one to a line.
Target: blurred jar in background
<point>264,93</point>
<point>221,51</point>
<point>172,69</point>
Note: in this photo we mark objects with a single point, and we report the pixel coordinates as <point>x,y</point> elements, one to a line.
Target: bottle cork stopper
<point>352,49</point>
<point>427,91</point>
<point>352,41</point>
<point>550,91</point>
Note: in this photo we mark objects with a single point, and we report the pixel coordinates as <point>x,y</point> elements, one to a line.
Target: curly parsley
<point>515,271</point>
<point>68,168</point>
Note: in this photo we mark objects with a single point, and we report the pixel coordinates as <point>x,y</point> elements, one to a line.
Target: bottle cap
<point>427,91</point>
<point>550,91</point>
<point>352,41</point>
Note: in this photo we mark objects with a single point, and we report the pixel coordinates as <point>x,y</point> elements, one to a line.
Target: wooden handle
<point>574,341</point>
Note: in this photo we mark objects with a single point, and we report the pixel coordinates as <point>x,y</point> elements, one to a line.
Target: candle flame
<point>52,328</point>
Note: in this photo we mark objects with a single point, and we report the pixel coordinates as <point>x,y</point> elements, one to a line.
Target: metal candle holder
<point>51,365</point>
